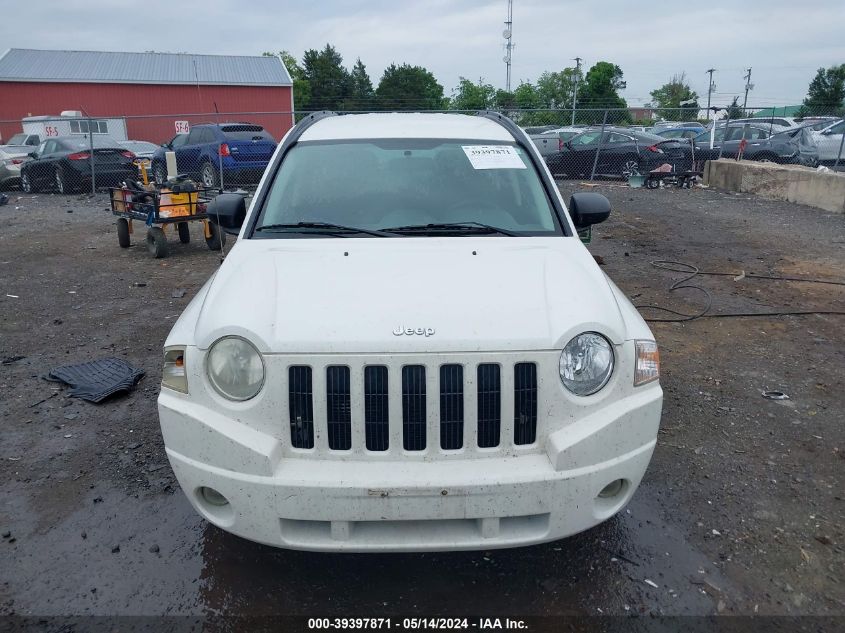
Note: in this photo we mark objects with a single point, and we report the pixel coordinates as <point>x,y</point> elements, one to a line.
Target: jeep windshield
<point>406,188</point>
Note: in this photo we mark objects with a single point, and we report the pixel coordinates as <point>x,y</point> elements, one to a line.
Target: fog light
<point>612,489</point>
<point>212,497</point>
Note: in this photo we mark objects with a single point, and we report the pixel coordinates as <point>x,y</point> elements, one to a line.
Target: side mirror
<point>33,154</point>
<point>568,145</point>
<point>587,209</point>
<point>228,211</point>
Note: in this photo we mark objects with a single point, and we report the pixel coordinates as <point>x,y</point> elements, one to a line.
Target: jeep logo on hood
<point>411,331</point>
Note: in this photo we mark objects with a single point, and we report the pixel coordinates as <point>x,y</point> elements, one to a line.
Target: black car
<point>621,152</point>
<point>63,164</point>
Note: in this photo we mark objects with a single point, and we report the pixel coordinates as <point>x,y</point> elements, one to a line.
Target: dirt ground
<point>740,513</point>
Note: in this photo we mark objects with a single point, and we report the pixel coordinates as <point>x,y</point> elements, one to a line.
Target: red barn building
<point>151,90</point>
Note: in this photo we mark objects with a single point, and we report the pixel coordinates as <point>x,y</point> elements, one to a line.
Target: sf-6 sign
<point>182,127</point>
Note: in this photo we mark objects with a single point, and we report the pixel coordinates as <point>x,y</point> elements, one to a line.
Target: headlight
<point>173,374</point>
<point>647,367</point>
<point>586,363</point>
<point>235,368</point>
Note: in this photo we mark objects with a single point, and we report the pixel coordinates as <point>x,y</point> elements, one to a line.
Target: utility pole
<point>710,89</point>
<point>575,91</point>
<point>508,35</point>
<point>748,86</point>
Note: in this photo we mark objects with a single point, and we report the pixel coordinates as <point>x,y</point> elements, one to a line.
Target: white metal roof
<point>24,64</point>
<point>406,125</point>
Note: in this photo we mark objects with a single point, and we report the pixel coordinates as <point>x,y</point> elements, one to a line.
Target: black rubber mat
<point>99,379</point>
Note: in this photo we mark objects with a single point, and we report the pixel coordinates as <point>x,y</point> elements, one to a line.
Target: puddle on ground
<point>199,569</point>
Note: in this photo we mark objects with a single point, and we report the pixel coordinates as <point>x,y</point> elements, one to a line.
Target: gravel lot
<point>741,511</point>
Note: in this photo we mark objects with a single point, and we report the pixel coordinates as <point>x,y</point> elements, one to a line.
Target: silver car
<point>551,141</point>
<point>10,165</point>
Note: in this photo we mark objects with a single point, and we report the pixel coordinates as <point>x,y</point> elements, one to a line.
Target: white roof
<point>406,125</point>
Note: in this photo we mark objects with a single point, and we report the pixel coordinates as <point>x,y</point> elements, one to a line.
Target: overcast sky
<point>783,41</point>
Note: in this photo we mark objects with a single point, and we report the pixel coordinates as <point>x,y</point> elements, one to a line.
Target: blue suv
<point>243,150</point>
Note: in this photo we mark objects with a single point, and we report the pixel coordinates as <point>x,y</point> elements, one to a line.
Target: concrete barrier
<point>825,190</point>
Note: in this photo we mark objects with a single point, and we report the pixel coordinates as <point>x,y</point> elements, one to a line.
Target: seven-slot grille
<point>413,385</point>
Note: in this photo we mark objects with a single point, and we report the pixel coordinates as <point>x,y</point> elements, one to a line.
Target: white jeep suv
<point>409,348</point>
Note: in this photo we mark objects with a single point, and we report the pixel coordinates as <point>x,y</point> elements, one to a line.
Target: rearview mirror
<point>228,211</point>
<point>587,209</point>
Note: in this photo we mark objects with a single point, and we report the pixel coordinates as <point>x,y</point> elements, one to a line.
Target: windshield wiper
<point>319,227</point>
<point>451,227</point>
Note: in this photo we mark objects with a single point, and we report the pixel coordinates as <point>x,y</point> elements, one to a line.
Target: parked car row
<point>239,152</point>
<point>621,151</point>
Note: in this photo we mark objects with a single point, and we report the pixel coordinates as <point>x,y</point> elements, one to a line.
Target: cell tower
<point>508,35</point>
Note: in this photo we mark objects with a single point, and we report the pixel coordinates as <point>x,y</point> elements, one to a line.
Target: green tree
<point>556,89</point>
<point>735,110</point>
<point>362,95</point>
<point>301,86</point>
<point>504,100</point>
<point>408,87</point>
<point>826,93</point>
<point>330,82</point>
<point>527,100</point>
<point>600,91</point>
<point>527,96</point>
<point>472,96</point>
<point>667,100</point>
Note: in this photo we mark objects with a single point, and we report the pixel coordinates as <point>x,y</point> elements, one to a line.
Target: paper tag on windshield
<point>493,157</point>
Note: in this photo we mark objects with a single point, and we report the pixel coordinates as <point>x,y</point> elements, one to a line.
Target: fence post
<point>725,135</point>
<point>91,148</point>
<point>220,163</point>
<point>598,149</point>
<point>839,155</point>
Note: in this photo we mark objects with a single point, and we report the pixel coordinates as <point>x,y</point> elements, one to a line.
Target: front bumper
<point>391,505</point>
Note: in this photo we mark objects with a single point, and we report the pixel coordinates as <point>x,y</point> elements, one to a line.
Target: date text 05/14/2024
<point>416,623</point>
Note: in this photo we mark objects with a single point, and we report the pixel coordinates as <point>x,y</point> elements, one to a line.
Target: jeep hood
<point>350,295</point>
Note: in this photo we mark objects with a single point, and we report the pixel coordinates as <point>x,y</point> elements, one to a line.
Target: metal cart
<point>683,179</point>
<point>177,203</point>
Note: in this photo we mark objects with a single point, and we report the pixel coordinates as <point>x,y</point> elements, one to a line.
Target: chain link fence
<point>231,150</point>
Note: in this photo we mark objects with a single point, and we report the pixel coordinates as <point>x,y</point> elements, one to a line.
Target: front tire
<point>184,232</point>
<point>26,183</point>
<point>156,242</point>
<point>123,232</point>
<point>62,186</point>
<point>216,239</point>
